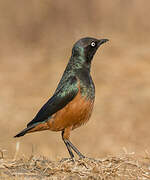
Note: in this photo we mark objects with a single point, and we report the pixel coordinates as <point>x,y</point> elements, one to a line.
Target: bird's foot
<point>67,160</point>
<point>91,159</point>
<point>81,156</point>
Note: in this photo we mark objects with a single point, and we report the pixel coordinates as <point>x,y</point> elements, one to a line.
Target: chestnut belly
<point>73,115</point>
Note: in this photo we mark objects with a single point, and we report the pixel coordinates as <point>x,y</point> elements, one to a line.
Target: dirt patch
<point>124,166</point>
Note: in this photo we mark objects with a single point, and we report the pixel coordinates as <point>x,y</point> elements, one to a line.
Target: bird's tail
<point>23,132</point>
<point>40,126</point>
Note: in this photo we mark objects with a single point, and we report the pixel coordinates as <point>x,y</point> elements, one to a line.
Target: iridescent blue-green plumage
<point>75,77</point>
<point>63,95</point>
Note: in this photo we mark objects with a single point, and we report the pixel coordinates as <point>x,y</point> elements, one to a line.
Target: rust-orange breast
<point>74,114</point>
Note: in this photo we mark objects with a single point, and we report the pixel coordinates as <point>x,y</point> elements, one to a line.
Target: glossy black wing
<point>60,99</point>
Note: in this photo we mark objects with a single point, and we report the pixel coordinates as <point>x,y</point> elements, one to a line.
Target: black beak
<point>101,41</point>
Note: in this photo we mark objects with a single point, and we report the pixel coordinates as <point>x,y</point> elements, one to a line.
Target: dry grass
<point>122,167</point>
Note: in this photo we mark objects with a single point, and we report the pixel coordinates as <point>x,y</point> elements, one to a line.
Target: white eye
<point>93,44</point>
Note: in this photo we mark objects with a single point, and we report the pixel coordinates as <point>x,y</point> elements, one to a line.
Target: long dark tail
<point>23,132</point>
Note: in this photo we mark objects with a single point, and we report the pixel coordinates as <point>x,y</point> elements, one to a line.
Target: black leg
<point>70,146</point>
<point>75,149</point>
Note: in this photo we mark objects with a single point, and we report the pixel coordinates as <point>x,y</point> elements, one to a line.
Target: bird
<point>72,102</point>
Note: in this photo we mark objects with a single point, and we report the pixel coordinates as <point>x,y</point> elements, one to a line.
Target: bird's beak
<point>101,41</point>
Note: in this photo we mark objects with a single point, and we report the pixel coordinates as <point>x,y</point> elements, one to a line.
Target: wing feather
<point>60,99</point>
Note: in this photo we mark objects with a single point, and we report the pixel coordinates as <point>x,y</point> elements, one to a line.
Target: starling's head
<point>87,47</point>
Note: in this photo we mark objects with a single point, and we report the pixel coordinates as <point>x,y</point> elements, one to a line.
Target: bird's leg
<point>69,148</point>
<point>75,149</point>
<point>69,145</point>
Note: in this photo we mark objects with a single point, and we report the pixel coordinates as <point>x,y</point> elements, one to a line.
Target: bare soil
<point>121,167</point>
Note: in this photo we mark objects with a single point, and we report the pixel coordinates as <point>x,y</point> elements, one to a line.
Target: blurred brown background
<point>36,39</point>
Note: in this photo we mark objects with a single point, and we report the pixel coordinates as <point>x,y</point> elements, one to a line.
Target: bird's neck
<point>77,63</point>
<point>77,67</point>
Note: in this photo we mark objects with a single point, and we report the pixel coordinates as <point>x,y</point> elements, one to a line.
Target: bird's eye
<point>93,44</point>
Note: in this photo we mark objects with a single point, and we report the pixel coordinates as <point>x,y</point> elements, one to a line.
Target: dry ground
<point>121,167</point>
